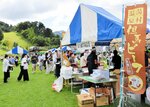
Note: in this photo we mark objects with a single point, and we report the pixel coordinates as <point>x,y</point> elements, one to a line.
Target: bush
<point>5,43</point>
<point>25,33</point>
<point>1,35</point>
<point>15,44</point>
<point>40,41</point>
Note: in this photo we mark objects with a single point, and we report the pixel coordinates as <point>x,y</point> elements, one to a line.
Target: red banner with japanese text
<point>134,54</point>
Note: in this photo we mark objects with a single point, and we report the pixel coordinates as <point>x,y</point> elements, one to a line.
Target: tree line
<point>35,32</point>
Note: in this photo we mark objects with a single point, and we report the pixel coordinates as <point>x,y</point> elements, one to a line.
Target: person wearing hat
<point>92,61</point>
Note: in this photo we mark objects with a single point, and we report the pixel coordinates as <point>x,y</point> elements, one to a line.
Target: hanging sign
<point>83,46</point>
<point>134,54</point>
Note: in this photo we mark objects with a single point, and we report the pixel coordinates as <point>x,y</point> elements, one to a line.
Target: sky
<point>55,14</point>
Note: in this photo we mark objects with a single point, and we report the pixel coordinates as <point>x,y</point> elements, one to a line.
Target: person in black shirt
<point>34,60</point>
<point>16,60</point>
<point>92,61</point>
<point>146,59</point>
<point>116,60</point>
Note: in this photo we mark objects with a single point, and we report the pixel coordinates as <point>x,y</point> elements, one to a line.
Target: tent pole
<point>61,55</point>
<point>121,102</point>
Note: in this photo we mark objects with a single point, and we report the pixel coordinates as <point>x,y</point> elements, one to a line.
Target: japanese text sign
<point>134,54</point>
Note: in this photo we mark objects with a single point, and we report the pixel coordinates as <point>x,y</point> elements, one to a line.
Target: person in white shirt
<point>6,65</point>
<point>55,57</point>
<point>83,61</point>
<point>40,59</point>
<point>49,64</point>
<point>24,69</point>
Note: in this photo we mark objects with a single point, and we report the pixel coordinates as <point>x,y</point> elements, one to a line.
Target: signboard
<point>63,34</point>
<point>83,46</point>
<point>134,54</point>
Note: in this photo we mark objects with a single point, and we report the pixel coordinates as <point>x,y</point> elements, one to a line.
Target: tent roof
<point>92,23</point>
<point>104,13</point>
<point>17,50</point>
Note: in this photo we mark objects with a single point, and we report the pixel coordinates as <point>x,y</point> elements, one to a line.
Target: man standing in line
<point>34,60</point>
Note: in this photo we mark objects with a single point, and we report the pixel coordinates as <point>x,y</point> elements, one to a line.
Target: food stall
<point>100,26</point>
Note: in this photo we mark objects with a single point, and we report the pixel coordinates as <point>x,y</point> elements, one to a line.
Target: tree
<point>48,33</point>
<point>23,26</point>
<point>5,27</point>
<point>38,27</point>
<point>25,33</point>
<point>40,41</point>
<point>1,35</point>
<point>15,44</point>
<point>55,41</point>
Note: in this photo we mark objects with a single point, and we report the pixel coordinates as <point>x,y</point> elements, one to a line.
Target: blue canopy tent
<point>119,40</point>
<point>64,48</point>
<point>93,24</point>
<point>52,50</point>
<point>17,50</point>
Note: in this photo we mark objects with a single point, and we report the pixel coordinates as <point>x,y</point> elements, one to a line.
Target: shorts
<point>33,65</point>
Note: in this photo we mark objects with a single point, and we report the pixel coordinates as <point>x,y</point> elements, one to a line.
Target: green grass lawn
<point>35,93</point>
<point>2,52</point>
<point>12,37</point>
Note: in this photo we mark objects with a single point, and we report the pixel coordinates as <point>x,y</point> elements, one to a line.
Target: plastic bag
<point>100,74</point>
<point>66,72</point>
<point>58,84</point>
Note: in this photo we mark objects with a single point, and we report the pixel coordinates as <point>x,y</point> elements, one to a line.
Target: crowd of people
<point>92,59</point>
<point>49,62</point>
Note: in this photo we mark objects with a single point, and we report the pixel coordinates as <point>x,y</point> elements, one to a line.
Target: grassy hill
<point>12,37</point>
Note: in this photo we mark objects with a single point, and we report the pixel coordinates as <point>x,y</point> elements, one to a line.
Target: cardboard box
<point>92,90</point>
<point>86,105</point>
<point>84,100</point>
<point>103,99</point>
<point>105,91</point>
